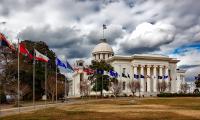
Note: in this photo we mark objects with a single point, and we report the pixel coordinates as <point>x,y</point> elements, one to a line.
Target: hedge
<point>178,95</point>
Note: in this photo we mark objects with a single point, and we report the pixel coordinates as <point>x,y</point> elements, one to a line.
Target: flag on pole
<point>69,67</point>
<point>99,71</point>
<point>24,51</point>
<point>104,26</point>
<point>136,76</point>
<point>159,77</point>
<point>165,77</point>
<point>5,42</point>
<point>113,73</point>
<point>89,71</point>
<point>142,76</point>
<point>40,57</point>
<point>60,63</point>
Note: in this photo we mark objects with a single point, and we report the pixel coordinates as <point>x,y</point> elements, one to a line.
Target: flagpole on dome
<point>104,27</point>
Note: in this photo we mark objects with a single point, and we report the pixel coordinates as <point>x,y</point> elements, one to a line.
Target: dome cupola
<point>102,51</point>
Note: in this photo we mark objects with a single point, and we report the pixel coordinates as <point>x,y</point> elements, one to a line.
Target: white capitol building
<point>152,65</point>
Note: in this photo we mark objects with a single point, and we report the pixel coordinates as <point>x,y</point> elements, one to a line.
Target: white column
<point>106,56</point>
<point>97,56</point>
<point>167,74</point>
<point>94,57</point>
<point>148,78</point>
<point>142,87</point>
<point>161,73</point>
<point>167,79</point>
<point>135,71</point>
<point>101,56</point>
<point>155,77</point>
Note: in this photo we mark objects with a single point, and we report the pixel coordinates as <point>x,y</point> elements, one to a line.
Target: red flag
<point>39,56</point>
<point>24,51</point>
<point>89,71</point>
<point>5,42</point>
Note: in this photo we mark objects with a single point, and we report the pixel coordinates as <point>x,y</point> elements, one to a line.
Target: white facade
<point>149,65</point>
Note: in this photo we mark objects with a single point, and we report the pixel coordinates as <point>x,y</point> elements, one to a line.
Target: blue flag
<point>69,67</point>
<point>99,71</point>
<point>136,76</point>
<point>165,77</point>
<point>60,63</point>
<point>113,73</point>
<point>160,77</point>
<point>141,76</point>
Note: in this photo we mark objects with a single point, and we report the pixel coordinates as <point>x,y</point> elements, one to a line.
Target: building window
<point>124,85</point>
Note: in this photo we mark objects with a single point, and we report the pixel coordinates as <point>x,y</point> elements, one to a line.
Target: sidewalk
<point>16,110</point>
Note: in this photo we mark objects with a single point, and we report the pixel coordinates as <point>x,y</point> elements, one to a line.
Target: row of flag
<point>37,55</point>
<point>114,74</point>
<point>142,76</point>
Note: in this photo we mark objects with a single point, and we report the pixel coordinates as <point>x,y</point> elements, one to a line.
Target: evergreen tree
<point>98,79</point>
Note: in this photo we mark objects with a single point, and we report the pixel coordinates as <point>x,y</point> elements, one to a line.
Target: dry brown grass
<point>121,109</point>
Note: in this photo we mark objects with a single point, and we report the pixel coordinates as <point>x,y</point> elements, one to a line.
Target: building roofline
<point>143,56</point>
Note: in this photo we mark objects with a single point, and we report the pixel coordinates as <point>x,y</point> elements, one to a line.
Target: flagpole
<point>34,78</point>
<point>56,85</point>
<point>65,87</point>
<point>18,80</point>
<point>96,88</point>
<point>102,85</point>
<point>46,83</point>
<point>103,30</point>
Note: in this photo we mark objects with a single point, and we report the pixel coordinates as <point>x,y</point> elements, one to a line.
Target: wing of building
<point>148,69</point>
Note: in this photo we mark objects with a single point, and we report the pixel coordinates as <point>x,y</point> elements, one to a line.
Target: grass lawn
<point>120,109</point>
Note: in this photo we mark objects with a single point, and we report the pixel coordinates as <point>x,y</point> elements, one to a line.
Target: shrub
<point>178,95</point>
<point>125,95</point>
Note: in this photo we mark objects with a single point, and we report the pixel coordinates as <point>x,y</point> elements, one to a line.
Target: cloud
<point>73,27</point>
<point>9,7</point>
<point>149,37</point>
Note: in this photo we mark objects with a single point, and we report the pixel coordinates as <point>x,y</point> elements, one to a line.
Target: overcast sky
<point>73,27</point>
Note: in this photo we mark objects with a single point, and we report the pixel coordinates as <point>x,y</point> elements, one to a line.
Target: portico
<point>152,71</point>
<point>149,79</point>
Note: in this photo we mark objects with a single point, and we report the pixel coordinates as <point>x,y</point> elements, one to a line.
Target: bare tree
<point>134,86</point>
<point>8,63</point>
<point>84,87</point>
<point>24,89</point>
<point>116,88</point>
<point>51,86</point>
<point>162,86</point>
<point>184,88</point>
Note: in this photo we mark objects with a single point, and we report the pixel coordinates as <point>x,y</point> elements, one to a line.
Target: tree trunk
<point>52,98</point>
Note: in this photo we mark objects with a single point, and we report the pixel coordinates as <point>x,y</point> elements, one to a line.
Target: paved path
<point>12,111</point>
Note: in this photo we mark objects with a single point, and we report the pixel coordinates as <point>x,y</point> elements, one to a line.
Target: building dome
<point>102,51</point>
<point>102,47</point>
